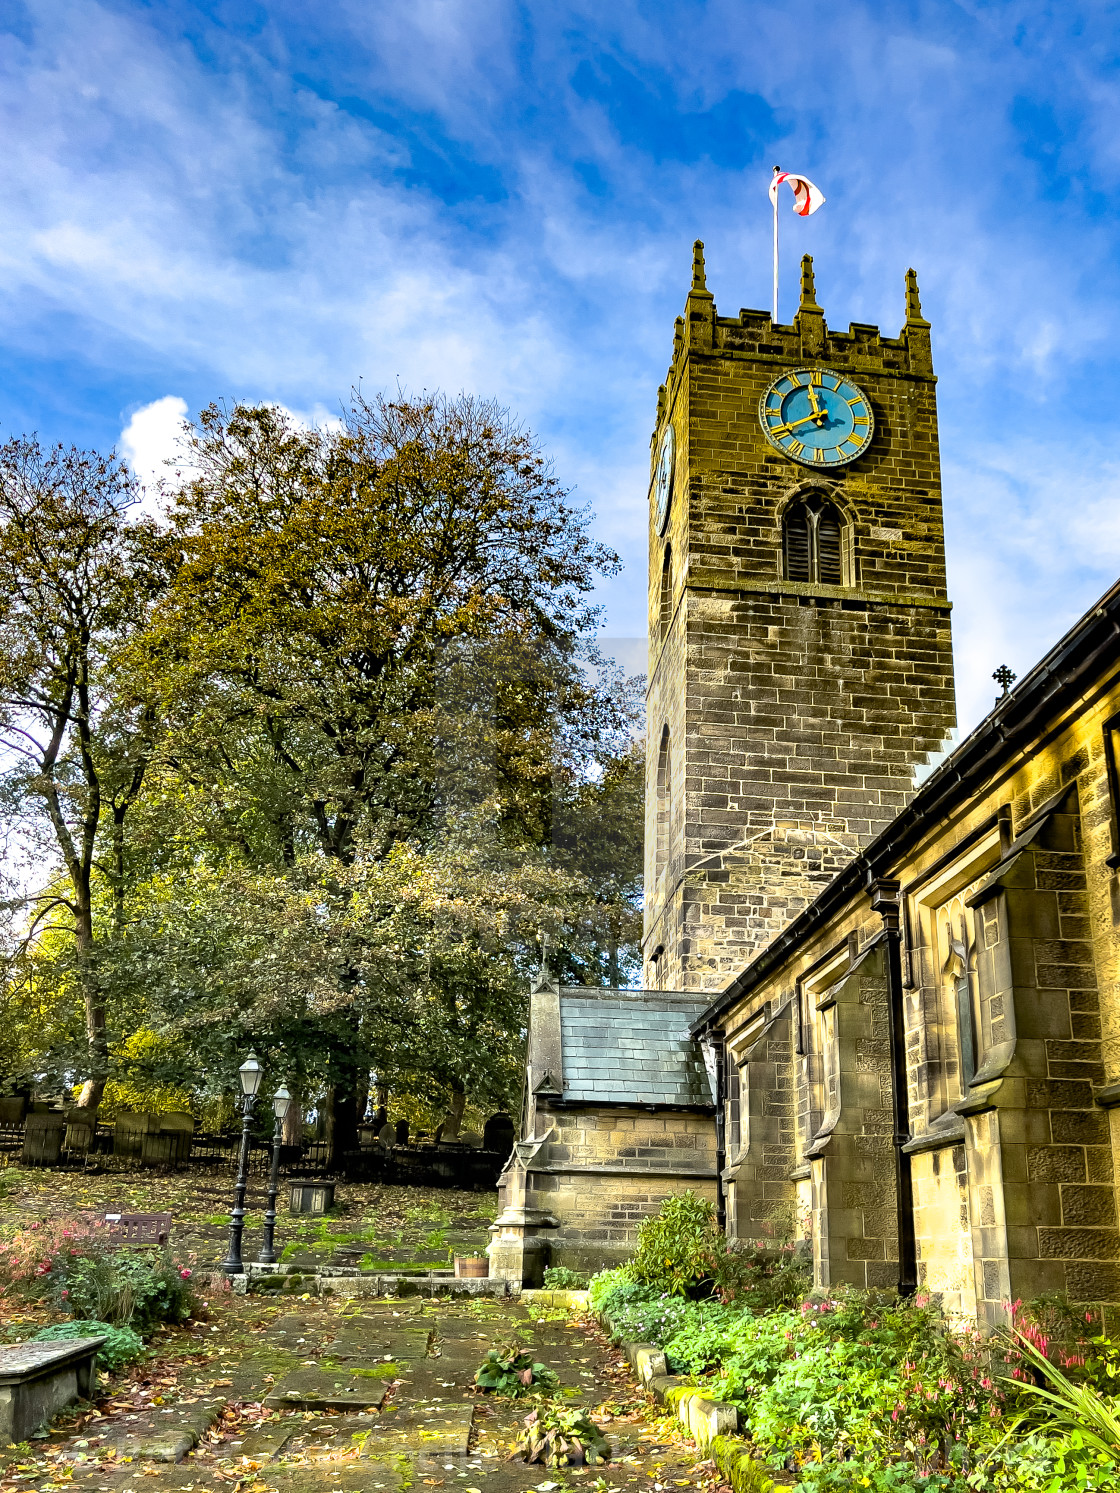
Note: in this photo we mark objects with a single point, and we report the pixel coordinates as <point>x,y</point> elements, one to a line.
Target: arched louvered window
<point>664,799</point>
<point>666,606</point>
<point>813,543</point>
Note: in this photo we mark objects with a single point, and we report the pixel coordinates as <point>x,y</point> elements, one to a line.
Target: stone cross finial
<point>699,278</point>
<point>808,284</point>
<point>1004,677</point>
<point>914,315</point>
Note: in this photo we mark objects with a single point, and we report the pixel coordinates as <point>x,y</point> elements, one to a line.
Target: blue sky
<point>273,202</point>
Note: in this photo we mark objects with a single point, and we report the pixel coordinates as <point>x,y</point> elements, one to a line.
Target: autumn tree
<point>75,582</point>
<point>374,636</point>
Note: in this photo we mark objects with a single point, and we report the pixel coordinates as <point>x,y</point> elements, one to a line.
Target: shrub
<point>33,1258</point>
<point>674,1245</point>
<point>562,1438</point>
<point>560,1278</point>
<point>77,1265</point>
<point>125,1288</point>
<point>121,1347</point>
<point>760,1277</point>
<point>510,1370</point>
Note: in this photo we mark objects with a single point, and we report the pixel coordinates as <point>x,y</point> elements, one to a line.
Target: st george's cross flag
<point>806,197</point>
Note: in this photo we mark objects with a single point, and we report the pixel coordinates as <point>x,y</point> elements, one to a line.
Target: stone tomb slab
<point>38,1379</point>
<point>334,1438</point>
<point>269,1438</point>
<point>421,1432</point>
<point>327,1389</point>
<point>163,1435</point>
<point>365,1338</point>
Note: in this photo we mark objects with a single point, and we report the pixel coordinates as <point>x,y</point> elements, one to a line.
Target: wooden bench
<point>137,1228</point>
<point>38,1379</point>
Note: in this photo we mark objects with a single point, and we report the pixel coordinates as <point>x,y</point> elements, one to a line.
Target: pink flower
<point>65,1292</point>
<point>186,1275</point>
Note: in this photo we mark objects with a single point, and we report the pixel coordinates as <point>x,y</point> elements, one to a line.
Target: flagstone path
<point>377,1395</point>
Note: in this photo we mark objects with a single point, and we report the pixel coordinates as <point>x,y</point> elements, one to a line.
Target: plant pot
<point>471,1267</point>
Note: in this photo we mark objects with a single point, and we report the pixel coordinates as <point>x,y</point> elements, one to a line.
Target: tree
<point>75,583</point>
<point>373,636</point>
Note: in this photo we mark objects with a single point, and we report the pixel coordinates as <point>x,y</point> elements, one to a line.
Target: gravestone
<point>38,1379</point>
<point>42,1139</point>
<point>498,1134</point>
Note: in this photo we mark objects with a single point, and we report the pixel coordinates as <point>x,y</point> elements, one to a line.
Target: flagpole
<point>777,169</point>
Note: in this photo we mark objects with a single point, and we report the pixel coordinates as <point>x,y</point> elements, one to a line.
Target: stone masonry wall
<point>605,1169</point>
<point>1012,915</point>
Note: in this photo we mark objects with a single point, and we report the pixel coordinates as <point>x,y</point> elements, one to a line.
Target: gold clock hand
<point>792,425</point>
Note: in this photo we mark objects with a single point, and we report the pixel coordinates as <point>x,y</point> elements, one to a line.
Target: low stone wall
<point>711,1423</point>
<point>291,1280</point>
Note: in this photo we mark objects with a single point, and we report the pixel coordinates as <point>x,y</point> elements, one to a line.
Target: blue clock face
<point>663,481</point>
<point>817,417</point>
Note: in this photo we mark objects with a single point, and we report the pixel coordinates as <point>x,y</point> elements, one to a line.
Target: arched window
<point>664,799</point>
<point>666,607</point>
<point>812,540</point>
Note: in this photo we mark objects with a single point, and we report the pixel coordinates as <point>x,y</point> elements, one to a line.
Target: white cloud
<point>266,228</point>
<point>151,439</point>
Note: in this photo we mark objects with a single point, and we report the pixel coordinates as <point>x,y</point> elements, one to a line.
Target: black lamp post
<point>250,1073</point>
<point>280,1101</point>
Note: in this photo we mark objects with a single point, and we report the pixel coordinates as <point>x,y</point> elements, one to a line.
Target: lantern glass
<point>251,1073</point>
<point>280,1101</point>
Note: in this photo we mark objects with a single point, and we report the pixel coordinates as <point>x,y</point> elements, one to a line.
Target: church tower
<point>800,659</point>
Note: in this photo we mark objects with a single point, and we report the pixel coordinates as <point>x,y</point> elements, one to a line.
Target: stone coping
<point>711,1423</point>
<point>332,1282</point>
<point>20,1362</point>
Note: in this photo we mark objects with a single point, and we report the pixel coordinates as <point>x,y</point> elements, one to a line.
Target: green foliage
<point>682,1251</point>
<point>1042,1462</point>
<point>353,748</point>
<point>121,1347</point>
<point>673,1245</point>
<point>123,1287</point>
<point>511,1370</point>
<point>864,1391</point>
<point>562,1438</point>
<point>1079,1408</point>
<point>561,1278</point>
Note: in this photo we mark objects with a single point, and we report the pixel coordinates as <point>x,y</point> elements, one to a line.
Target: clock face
<point>663,482</point>
<point>817,417</point>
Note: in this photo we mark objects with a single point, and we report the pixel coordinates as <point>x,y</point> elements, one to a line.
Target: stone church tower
<point>800,663</point>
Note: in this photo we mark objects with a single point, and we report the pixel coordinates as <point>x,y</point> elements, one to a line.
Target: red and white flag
<point>806,197</point>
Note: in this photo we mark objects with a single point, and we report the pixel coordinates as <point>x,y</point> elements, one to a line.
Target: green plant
<point>124,1288</point>
<point>760,1277</point>
<point>674,1245</point>
<point>511,1370</point>
<point>1079,1408</point>
<point>560,1278</point>
<point>562,1438</point>
<point>121,1347</point>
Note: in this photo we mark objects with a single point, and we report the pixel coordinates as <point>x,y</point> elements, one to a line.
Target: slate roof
<point>632,1047</point>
